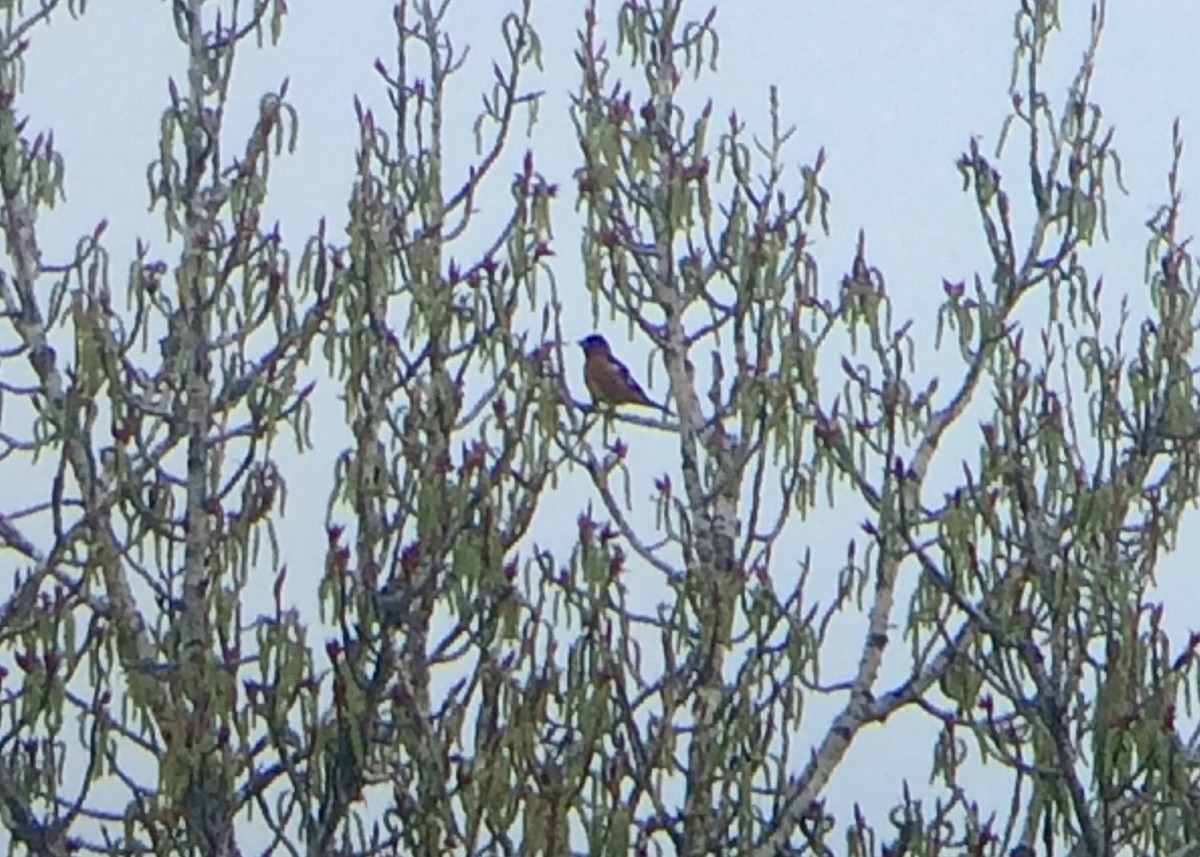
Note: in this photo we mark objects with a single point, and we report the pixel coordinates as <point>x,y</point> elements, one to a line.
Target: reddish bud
<point>410,559</point>
<point>587,528</point>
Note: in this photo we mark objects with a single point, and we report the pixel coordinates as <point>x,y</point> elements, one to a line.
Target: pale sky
<point>893,91</point>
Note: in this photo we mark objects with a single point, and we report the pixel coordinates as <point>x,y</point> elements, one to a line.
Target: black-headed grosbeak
<point>608,379</point>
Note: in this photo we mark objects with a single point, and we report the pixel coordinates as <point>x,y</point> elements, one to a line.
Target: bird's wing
<point>621,371</point>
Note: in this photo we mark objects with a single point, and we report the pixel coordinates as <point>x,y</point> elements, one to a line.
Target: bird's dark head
<point>594,343</point>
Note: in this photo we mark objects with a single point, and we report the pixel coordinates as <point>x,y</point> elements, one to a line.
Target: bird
<point>608,379</point>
